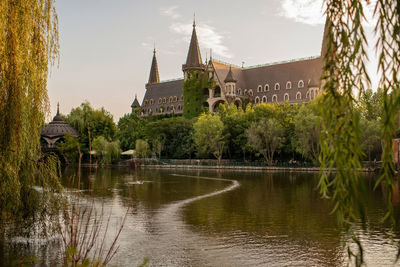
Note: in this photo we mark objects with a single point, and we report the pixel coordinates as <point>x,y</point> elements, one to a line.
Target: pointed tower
<point>154,75</point>
<point>325,40</point>
<point>230,86</point>
<point>135,103</point>
<point>193,61</point>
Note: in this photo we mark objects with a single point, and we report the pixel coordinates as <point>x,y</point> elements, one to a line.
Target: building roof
<point>154,76</point>
<point>194,57</point>
<point>58,128</point>
<point>229,77</point>
<point>166,89</point>
<point>135,103</point>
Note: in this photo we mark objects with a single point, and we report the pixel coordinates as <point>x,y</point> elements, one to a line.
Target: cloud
<point>207,35</point>
<point>170,12</point>
<point>304,11</point>
<point>311,12</point>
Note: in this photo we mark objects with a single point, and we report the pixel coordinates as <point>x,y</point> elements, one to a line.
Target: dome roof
<point>59,128</point>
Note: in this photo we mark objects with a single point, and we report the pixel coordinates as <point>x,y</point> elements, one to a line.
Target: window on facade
<point>179,107</point>
<point>277,86</point>
<point>151,101</point>
<point>170,99</point>
<point>159,100</point>
<point>266,88</point>
<point>288,85</point>
<point>286,97</point>
<point>301,84</point>
<point>264,99</point>
<point>245,91</point>
<point>274,98</point>
<point>298,96</point>
<point>250,92</point>
<point>257,100</point>
<point>181,97</point>
<point>175,98</point>
<point>239,91</point>
<point>172,108</point>
<point>145,102</point>
<point>164,100</point>
<point>259,88</point>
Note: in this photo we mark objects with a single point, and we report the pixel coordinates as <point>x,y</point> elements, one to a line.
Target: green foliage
<point>70,148</point>
<point>130,128</point>
<point>209,135</point>
<point>307,130</point>
<point>371,138</point>
<point>28,46</point>
<point>266,137</point>
<point>193,94</point>
<point>173,135</point>
<point>93,122</point>
<point>107,152</point>
<point>142,148</point>
<point>236,122</point>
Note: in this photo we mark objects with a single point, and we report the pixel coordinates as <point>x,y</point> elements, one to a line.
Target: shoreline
<point>242,168</point>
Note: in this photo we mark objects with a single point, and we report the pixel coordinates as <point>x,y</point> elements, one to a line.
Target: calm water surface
<point>211,218</point>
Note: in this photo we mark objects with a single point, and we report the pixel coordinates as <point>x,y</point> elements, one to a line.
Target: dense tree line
<point>271,132</point>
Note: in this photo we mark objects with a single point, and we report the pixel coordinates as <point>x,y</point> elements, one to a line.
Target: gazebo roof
<point>59,128</point>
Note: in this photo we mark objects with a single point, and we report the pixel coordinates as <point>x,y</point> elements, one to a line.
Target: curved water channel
<point>214,218</point>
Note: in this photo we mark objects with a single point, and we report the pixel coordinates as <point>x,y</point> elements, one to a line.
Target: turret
<point>193,61</point>
<point>230,84</point>
<point>154,75</point>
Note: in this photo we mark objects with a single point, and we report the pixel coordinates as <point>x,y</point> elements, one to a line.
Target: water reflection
<point>210,218</point>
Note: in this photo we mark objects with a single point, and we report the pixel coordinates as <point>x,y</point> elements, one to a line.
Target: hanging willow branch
<point>28,44</point>
<point>388,32</point>
<point>344,79</point>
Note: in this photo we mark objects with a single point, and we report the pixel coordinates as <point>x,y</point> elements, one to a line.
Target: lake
<point>219,218</point>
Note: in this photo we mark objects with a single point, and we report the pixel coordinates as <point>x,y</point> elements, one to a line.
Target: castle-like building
<point>294,81</point>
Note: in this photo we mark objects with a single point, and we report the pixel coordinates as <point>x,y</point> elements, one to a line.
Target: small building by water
<point>56,130</point>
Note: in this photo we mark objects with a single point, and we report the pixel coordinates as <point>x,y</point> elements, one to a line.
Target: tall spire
<point>154,75</point>
<point>58,108</point>
<point>193,60</point>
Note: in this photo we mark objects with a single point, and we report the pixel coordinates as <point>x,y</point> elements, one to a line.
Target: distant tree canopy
<point>93,122</point>
<point>28,45</point>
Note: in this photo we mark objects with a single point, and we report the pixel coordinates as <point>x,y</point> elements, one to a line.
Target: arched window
<point>245,91</point>
<point>259,88</point>
<point>277,86</point>
<point>151,101</point>
<point>274,98</point>
<point>159,100</point>
<point>164,100</point>
<point>288,85</point>
<point>257,100</point>
<point>264,99</point>
<point>161,109</point>
<point>239,91</point>
<point>301,84</point>
<point>286,97</point>
<point>179,107</point>
<point>172,108</point>
<point>171,99</point>
<point>181,97</point>
<point>266,88</point>
<point>298,96</point>
<point>167,109</point>
<point>250,92</point>
<point>145,102</point>
<point>175,98</point>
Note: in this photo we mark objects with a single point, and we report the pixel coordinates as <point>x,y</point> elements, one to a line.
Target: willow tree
<point>28,45</point>
<point>344,80</point>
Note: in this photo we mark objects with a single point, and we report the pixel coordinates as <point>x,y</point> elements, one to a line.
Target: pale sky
<point>106,45</point>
